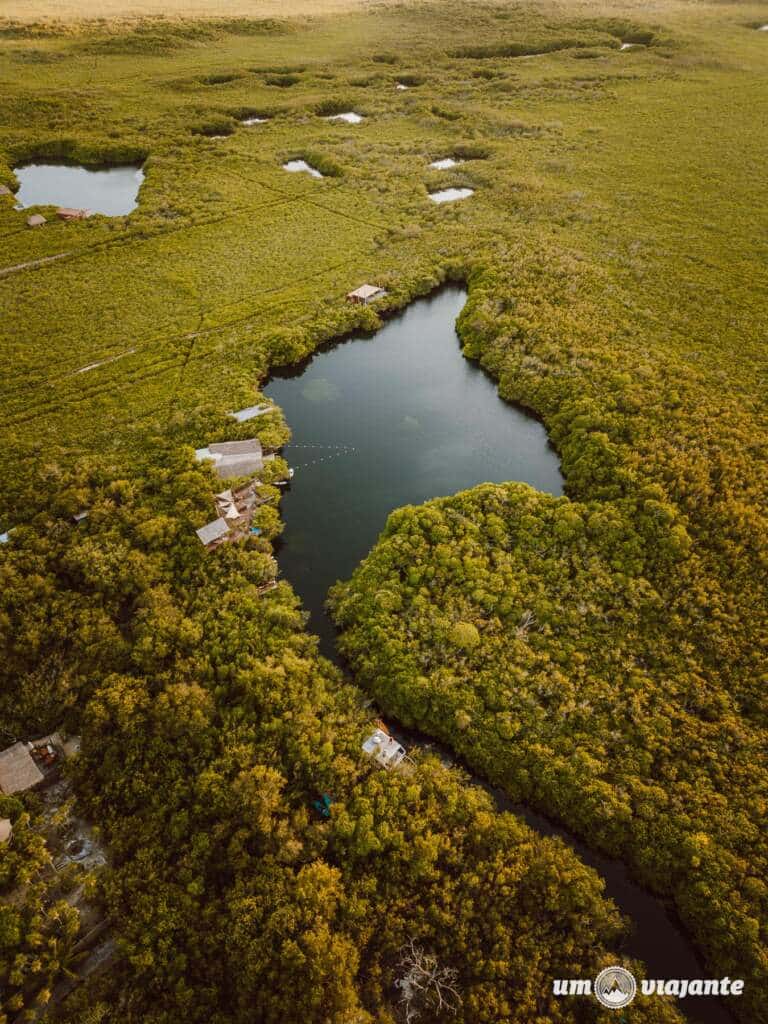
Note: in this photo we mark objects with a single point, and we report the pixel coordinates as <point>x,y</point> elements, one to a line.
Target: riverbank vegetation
<point>210,729</point>
<point>602,655</point>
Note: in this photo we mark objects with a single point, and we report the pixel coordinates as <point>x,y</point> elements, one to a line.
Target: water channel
<point>399,418</point>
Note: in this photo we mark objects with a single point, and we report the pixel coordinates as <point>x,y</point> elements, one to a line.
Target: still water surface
<point>385,421</point>
<point>399,418</point>
<point>112,191</point>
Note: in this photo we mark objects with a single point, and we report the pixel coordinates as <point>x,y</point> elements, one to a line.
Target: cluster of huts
<point>235,508</point>
<point>36,220</point>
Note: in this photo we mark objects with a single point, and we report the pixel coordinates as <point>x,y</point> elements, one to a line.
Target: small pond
<point>301,166</point>
<point>445,163</point>
<point>112,191</point>
<point>350,117</point>
<point>450,195</point>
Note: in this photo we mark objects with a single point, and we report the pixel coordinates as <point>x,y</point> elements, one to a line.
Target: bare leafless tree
<point>527,622</point>
<point>425,985</point>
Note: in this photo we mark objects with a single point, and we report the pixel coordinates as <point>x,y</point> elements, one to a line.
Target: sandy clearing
<point>84,10</point>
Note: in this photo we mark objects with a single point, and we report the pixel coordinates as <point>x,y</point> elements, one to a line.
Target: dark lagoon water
<point>390,420</point>
<point>399,418</point>
<point>113,191</point>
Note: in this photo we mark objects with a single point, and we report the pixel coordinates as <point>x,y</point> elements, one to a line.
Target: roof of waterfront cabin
<point>365,291</point>
<point>233,458</point>
<point>5,829</point>
<point>213,531</point>
<point>71,213</point>
<point>18,770</point>
<point>5,191</point>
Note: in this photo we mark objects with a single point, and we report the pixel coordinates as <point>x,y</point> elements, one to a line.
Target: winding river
<point>399,418</point>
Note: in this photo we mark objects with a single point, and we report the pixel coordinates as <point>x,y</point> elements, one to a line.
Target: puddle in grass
<point>301,166</point>
<point>445,163</point>
<point>450,195</point>
<point>350,117</point>
<point>112,191</point>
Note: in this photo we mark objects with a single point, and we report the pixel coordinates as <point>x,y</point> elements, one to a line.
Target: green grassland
<point>584,155</point>
<point>615,249</point>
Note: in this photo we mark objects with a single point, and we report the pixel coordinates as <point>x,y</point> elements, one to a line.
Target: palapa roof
<point>18,770</point>
<point>213,531</point>
<point>36,220</point>
<point>71,211</point>
<point>227,505</point>
<point>365,291</point>
<point>234,458</point>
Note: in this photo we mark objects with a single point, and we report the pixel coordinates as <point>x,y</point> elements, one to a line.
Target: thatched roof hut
<point>18,770</point>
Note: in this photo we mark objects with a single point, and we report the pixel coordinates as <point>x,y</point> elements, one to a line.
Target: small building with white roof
<point>384,749</point>
<point>365,293</point>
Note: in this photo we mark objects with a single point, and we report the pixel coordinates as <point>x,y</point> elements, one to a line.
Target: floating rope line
<point>338,449</point>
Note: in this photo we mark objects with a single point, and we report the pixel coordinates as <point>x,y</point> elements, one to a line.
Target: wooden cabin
<point>69,213</point>
<point>366,293</point>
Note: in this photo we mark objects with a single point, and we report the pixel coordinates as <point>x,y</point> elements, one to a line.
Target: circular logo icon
<point>615,987</point>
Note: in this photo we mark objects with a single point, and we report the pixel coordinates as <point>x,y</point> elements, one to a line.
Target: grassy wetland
<point>599,656</point>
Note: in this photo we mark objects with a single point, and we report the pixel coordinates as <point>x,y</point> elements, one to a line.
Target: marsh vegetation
<point>600,655</point>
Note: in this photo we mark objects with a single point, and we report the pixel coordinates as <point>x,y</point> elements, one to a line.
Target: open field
<point>61,10</point>
<point>579,151</point>
<point>615,248</point>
